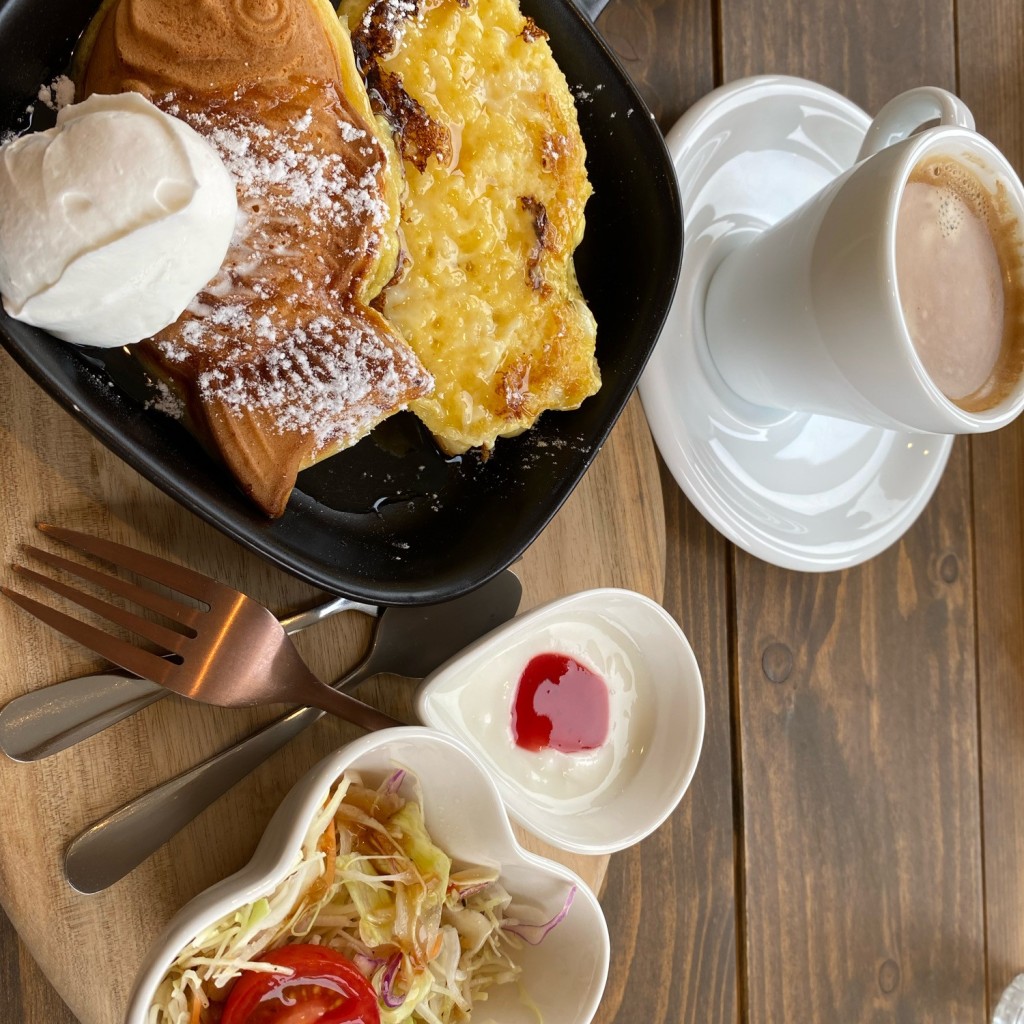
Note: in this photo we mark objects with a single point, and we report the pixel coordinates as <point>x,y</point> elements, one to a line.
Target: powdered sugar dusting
<point>166,401</point>
<point>58,94</point>
<point>277,340</point>
<point>323,378</point>
<point>385,21</point>
<point>293,163</point>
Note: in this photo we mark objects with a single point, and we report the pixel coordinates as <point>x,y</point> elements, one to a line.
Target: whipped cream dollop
<point>111,221</point>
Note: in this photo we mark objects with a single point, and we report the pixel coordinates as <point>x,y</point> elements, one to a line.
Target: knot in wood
<point>949,568</point>
<point>888,976</point>
<point>777,663</point>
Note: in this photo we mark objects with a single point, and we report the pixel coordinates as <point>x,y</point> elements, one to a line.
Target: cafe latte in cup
<point>893,297</point>
<point>958,276</point>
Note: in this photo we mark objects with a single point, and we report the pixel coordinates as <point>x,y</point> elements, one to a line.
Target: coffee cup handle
<point>905,114</point>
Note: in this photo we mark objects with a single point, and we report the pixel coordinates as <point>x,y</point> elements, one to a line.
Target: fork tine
<point>160,603</point>
<point>168,639</point>
<point>177,577</point>
<point>120,652</point>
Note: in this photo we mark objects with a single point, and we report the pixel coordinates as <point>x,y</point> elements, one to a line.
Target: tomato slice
<point>325,988</point>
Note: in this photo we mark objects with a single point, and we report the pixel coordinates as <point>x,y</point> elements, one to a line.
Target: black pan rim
<point>262,540</point>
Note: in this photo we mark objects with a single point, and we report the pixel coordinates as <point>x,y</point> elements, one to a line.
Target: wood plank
<point>670,901</point>
<point>865,49</point>
<point>861,822</point>
<point>668,50</point>
<point>998,468</point>
<point>991,46</point>
<point>856,699</point>
<point>609,533</point>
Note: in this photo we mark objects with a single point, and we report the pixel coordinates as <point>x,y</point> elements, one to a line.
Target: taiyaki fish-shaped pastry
<point>280,361</point>
<point>497,186</point>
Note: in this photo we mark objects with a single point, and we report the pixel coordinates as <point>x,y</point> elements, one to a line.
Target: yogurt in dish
<point>479,706</point>
<point>111,221</point>
<point>600,798</point>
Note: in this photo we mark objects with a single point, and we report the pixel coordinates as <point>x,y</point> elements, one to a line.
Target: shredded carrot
<point>328,846</point>
<point>197,1010</point>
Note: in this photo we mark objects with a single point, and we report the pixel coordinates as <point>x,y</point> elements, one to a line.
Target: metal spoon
<point>409,641</point>
<point>45,721</point>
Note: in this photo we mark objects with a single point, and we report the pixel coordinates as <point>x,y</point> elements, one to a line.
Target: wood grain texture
<point>998,468</point>
<point>991,49</point>
<point>867,50</point>
<point>667,47</point>
<point>610,533</point>
<point>670,901</point>
<point>851,847</point>
<point>861,829</point>
<point>856,692</point>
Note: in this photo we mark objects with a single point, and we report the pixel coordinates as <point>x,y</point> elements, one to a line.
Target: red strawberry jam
<point>560,705</point>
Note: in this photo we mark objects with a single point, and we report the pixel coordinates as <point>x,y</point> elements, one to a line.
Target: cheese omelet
<point>494,162</point>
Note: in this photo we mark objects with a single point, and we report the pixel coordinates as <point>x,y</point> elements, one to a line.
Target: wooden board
<point>610,533</point>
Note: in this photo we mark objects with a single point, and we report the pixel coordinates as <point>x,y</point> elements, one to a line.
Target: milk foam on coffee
<point>952,255</point>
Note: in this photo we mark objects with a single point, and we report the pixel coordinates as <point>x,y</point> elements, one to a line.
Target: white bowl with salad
<point>388,887</point>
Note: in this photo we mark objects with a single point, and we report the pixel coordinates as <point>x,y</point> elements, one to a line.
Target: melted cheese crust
<point>489,299</point>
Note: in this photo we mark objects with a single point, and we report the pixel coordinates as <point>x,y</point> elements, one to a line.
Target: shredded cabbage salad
<point>369,883</point>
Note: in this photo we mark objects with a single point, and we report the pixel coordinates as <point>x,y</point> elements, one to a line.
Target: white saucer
<point>800,491</point>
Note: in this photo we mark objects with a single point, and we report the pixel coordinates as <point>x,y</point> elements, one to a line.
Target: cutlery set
<point>223,648</point>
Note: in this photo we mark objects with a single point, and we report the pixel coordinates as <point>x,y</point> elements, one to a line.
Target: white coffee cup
<point>807,317</point>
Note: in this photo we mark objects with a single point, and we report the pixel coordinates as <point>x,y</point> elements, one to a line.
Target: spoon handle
<point>117,844</point>
<point>53,718</point>
<point>109,849</point>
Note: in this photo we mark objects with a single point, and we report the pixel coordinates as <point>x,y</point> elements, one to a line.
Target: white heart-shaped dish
<point>564,975</point>
<point>594,801</point>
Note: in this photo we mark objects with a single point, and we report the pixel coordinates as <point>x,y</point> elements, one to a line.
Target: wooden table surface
<point>852,846</point>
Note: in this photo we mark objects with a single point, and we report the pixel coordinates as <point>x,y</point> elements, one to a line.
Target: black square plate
<point>391,520</point>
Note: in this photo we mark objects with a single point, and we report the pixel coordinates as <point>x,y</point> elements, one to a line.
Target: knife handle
<point>117,844</point>
<point>45,721</point>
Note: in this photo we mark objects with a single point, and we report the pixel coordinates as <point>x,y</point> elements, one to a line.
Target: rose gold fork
<point>233,653</point>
